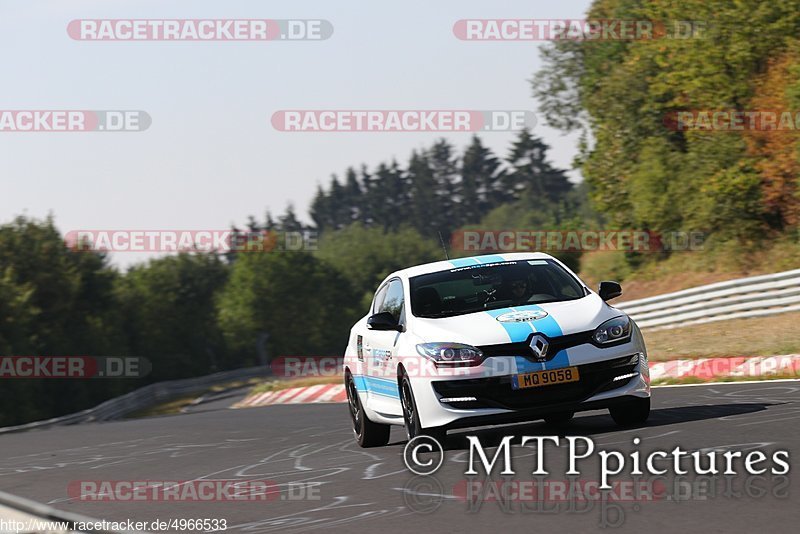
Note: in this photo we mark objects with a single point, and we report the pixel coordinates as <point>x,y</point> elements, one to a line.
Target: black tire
<point>633,412</point>
<point>368,433</point>
<point>559,419</point>
<point>410,415</point>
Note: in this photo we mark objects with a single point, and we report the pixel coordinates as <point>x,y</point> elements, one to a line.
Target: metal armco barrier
<point>143,397</point>
<point>754,296</point>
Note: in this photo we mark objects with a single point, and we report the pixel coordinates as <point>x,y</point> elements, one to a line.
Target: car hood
<point>484,328</point>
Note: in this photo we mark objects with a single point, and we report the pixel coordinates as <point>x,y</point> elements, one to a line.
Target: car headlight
<point>450,353</point>
<point>616,329</point>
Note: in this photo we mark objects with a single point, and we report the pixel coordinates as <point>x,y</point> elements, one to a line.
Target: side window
<point>379,296</point>
<point>393,303</point>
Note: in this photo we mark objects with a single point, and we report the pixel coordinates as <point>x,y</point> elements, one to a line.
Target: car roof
<point>454,263</point>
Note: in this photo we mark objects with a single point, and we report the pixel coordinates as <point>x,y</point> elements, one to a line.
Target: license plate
<point>545,378</point>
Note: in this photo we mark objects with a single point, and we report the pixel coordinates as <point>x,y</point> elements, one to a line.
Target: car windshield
<point>492,286</point>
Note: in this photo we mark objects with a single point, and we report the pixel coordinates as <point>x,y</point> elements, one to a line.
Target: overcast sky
<point>211,157</point>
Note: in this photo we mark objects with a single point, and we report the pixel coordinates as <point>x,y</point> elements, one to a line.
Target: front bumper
<point>600,386</point>
<point>618,377</point>
<point>497,392</point>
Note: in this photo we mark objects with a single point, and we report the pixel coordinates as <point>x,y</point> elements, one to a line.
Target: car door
<point>380,351</point>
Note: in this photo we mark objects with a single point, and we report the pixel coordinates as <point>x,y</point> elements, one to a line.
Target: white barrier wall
<point>746,297</point>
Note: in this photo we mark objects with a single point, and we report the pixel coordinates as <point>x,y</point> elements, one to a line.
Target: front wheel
<point>633,412</point>
<point>368,433</point>
<point>411,416</point>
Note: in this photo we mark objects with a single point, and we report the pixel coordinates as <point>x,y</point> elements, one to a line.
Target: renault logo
<point>539,346</point>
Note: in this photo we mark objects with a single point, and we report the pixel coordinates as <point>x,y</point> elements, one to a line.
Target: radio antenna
<point>444,247</point>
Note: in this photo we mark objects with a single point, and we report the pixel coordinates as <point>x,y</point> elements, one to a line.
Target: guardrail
<point>144,397</point>
<point>33,511</point>
<point>754,296</point>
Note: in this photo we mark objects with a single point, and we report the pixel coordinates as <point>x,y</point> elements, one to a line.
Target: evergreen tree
<point>532,174</point>
<point>368,198</point>
<point>288,221</point>
<point>352,208</point>
<point>479,189</point>
<point>320,210</point>
<point>444,169</point>
<point>337,205</point>
<point>424,213</point>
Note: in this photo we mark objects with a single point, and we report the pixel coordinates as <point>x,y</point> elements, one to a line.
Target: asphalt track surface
<point>371,490</point>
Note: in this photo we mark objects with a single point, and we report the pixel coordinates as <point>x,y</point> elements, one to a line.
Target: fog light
<point>457,399</point>
<point>623,377</point>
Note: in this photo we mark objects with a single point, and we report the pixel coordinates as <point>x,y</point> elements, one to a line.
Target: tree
<point>321,211</point>
<point>623,93</point>
<point>424,209</point>
<point>479,188</point>
<point>352,208</point>
<point>775,153</point>
<point>300,300</point>
<point>531,174</point>
<point>368,255</point>
<point>168,308</point>
<point>287,222</point>
<point>55,302</point>
<point>445,174</point>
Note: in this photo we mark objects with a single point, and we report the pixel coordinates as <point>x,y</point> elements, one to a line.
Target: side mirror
<point>383,321</point>
<point>609,290</point>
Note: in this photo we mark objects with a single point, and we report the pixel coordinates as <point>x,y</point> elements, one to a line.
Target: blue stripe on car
<point>518,332</point>
<point>489,258</point>
<point>477,260</point>
<point>463,262</point>
<point>377,386</point>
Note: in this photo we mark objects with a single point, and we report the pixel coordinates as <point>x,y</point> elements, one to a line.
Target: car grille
<point>523,348</point>
<point>497,392</point>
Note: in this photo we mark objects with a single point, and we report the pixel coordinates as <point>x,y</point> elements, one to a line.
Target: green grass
<point>716,262</point>
<point>757,336</point>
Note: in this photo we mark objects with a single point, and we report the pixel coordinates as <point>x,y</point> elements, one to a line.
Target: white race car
<point>489,340</point>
